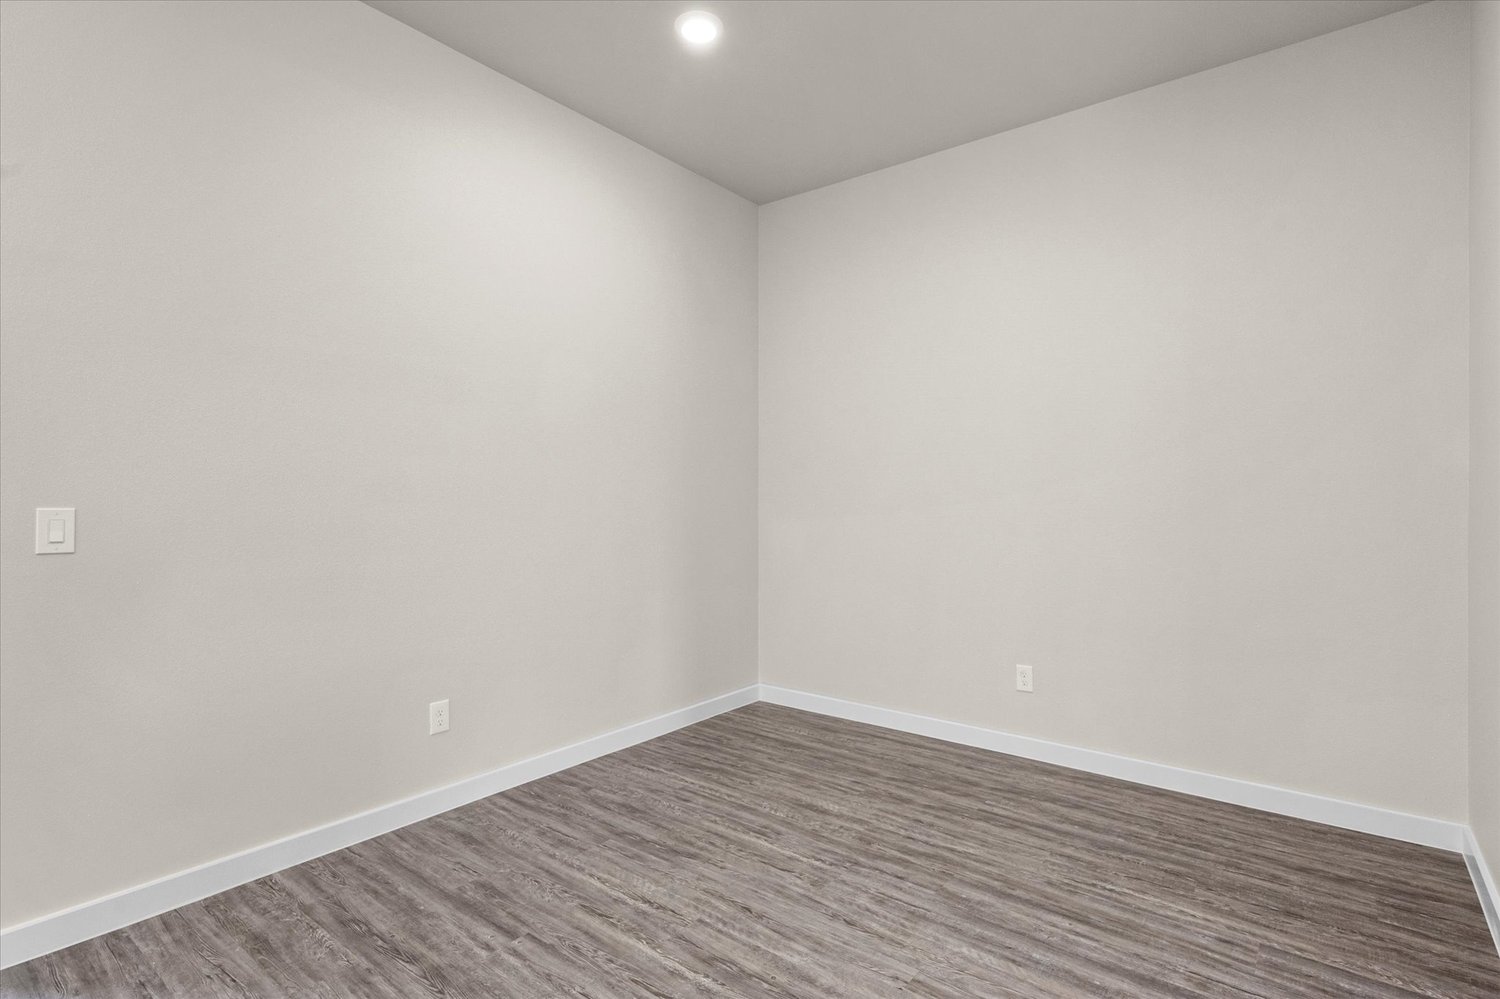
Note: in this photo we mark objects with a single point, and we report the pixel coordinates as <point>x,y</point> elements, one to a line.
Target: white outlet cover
<point>1024,679</point>
<point>437,717</point>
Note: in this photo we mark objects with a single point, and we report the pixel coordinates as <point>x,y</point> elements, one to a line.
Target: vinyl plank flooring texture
<point>771,852</point>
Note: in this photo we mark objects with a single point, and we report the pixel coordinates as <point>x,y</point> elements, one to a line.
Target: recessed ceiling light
<point>699,28</point>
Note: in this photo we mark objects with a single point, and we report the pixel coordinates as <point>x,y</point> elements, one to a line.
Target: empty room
<point>826,499</point>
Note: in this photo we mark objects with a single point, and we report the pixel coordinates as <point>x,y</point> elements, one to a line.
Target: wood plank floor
<point>769,852</point>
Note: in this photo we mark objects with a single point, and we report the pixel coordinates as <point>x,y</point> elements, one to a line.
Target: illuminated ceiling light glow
<point>699,28</point>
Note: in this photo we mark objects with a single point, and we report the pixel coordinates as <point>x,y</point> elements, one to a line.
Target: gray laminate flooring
<point>769,852</point>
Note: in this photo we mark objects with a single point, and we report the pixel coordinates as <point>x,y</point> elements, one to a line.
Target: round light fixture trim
<point>699,28</point>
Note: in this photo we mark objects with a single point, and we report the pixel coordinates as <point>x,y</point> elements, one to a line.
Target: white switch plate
<point>437,717</point>
<point>1023,679</point>
<point>54,530</point>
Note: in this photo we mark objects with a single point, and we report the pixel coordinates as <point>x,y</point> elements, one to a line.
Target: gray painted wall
<point>1166,398</point>
<point>376,379</point>
<point>1484,438</point>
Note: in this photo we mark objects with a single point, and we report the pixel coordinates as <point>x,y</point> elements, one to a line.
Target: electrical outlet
<point>1023,679</point>
<point>437,717</point>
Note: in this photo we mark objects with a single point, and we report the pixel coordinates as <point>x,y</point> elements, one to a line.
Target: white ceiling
<point>802,93</point>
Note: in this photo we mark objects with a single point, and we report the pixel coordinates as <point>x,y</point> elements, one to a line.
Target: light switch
<point>54,530</point>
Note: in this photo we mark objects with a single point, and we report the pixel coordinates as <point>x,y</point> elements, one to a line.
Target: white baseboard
<point>1266,798</point>
<point>82,922</point>
<point>1484,884</point>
